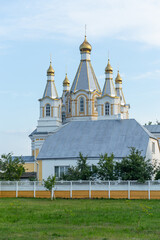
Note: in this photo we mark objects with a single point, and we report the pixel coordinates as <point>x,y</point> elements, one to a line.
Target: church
<point>85,119</point>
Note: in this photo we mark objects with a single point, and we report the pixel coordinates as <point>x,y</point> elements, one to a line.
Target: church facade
<point>84,100</point>
<point>85,119</point>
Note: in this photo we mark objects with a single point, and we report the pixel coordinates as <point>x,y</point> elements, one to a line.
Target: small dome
<point>108,68</point>
<point>50,70</point>
<point>85,46</point>
<point>66,80</point>
<point>118,78</point>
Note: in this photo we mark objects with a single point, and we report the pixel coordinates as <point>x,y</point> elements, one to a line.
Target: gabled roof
<point>85,78</point>
<point>25,158</point>
<point>93,138</point>
<point>153,128</point>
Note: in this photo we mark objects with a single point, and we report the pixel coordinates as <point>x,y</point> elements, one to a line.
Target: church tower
<point>81,101</point>
<point>50,113</point>
<point>108,103</point>
<point>123,106</point>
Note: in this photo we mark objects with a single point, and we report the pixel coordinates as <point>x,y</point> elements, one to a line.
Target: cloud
<point>16,94</point>
<point>126,19</point>
<point>150,75</point>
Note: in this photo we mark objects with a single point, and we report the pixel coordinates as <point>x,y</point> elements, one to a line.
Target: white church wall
<point>153,151</point>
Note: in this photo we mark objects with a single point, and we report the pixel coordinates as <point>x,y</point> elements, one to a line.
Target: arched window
<point>95,105</point>
<point>48,110</point>
<point>63,116</point>
<point>69,105</point>
<point>81,104</point>
<point>107,108</point>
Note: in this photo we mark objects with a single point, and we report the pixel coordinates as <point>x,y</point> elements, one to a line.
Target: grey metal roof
<point>37,133</point>
<point>85,78</point>
<point>25,158</point>
<point>50,90</point>
<point>109,88</point>
<point>153,128</point>
<point>93,138</point>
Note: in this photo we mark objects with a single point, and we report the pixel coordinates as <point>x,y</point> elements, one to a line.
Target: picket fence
<point>82,189</point>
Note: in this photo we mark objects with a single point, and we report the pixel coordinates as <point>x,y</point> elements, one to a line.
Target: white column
<point>109,190</point>
<point>17,189</point>
<point>128,189</point>
<point>71,190</point>
<point>149,190</point>
<point>34,187</point>
<point>89,189</point>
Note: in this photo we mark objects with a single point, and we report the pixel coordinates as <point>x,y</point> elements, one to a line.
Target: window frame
<point>81,107</point>
<point>107,109</point>
<point>48,111</point>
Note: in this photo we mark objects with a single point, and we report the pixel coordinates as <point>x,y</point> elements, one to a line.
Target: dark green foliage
<point>11,169</point>
<point>106,167</point>
<point>157,173</point>
<point>135,167</point>
<point>50,182</point>
<point>81,172</point>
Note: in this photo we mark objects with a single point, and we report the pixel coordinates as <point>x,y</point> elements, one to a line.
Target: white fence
<point>82,186</point>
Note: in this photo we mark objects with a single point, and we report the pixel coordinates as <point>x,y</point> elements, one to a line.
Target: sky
<point>30,31</point>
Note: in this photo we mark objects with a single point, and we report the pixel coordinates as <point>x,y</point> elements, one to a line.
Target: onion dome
<point>50,70</point>
<point>108,68</point>
<point>66,81</point>
<point>85,46</point>
<point>118,78</point>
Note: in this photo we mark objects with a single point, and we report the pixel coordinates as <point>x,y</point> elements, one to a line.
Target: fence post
<point>89,189</point>
<point>129,189</point>
<point>34,187</point>
<point>71,190</point>
<point>16,189</point>
<point>109,190</point>
<point>0,190</point>
<point>149,190</point>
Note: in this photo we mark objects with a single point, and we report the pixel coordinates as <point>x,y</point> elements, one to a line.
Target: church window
<point>107,108</point>
<point>48,110</point>
<point>81,104</point>
<point>95,105</point>
<point>60,171</point>
<point>69,105</point>
<point>153,147</point>
<point>63,116</point>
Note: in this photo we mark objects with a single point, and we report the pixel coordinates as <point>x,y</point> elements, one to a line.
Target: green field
<point>30,219</point>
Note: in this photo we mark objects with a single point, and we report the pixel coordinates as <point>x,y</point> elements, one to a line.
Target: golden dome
<point>85,46</point>
<point>108,68</point>
<point>118,78</point>
<point>50,70</point>
<point>66,80</point>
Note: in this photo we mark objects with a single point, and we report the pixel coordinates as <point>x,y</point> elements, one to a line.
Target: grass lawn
<point>23,218</point>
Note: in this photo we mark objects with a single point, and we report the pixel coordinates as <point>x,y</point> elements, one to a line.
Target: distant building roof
<point>153,128</point>
<point>93,138</point>
<point>25,158</point>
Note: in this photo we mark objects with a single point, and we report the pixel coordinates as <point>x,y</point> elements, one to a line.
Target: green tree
<point>157,173</point>
<point>11,169</point>
<point>49,185</point>
<point>135,167</point>
<point>106,167</point>
<point>80,172</point>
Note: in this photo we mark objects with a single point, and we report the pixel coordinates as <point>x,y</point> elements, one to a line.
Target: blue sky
<point>32,30</point>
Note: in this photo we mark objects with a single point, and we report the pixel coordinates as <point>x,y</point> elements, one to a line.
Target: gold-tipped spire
<point>50,70</point>
<point>118,78</point>
<point>66,81</point>
<point>108,68</point>
<point>85,46</point>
